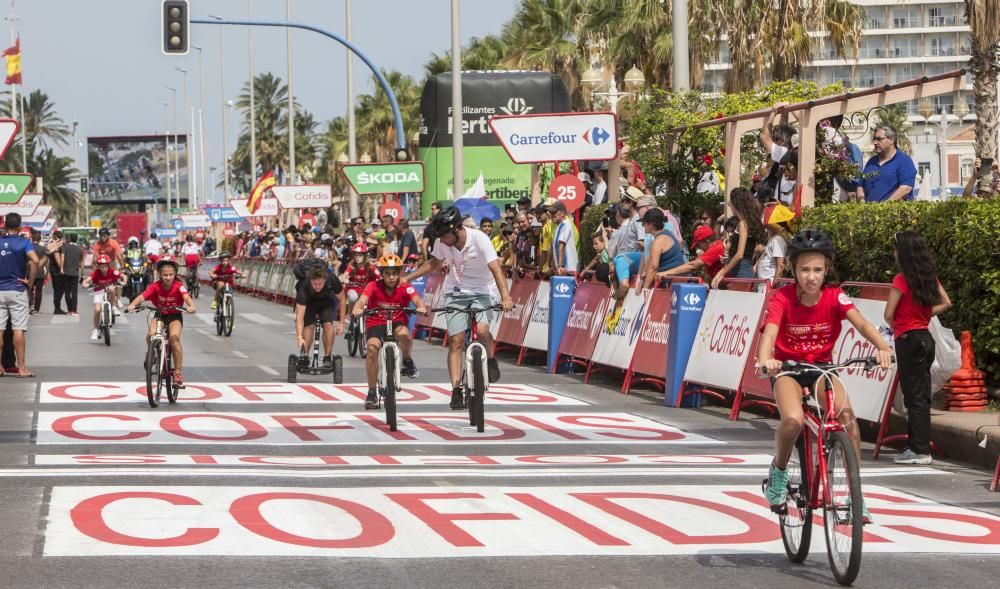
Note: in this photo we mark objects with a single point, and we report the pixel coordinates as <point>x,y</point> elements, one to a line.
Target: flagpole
<point>14,100</point>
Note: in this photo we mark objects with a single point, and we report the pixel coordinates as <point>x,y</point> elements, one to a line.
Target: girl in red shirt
<point>802,323</point>
<point>916,296</point>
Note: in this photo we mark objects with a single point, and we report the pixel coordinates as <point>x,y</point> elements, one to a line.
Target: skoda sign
<point>386,178</point>
<point>531,139</point>
<point>303,196</point>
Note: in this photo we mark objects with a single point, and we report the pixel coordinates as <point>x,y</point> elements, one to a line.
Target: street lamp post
<point>291,99</point>
<point>201,122</point>
<point>352,143</point>
<point>927,111</point>
<point>177,157</point>
<point>187,135</point>
<point>593,81</point>
<point>225,108</point>
<point>253,109</point>
<point>341,160</point>
<point>367,159</point>
<point>166,152</point>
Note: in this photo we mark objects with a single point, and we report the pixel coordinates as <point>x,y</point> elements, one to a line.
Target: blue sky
<point>100,60</point>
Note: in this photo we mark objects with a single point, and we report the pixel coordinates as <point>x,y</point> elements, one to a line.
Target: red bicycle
<point>823,471</point>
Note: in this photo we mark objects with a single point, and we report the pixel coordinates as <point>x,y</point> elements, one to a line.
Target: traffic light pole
<point>400,135</point>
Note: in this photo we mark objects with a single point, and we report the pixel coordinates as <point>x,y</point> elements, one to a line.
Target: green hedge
<point>965,238</point>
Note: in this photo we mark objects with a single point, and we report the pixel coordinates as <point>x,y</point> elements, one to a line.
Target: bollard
<point>687,302</point>
<point>561,291</point>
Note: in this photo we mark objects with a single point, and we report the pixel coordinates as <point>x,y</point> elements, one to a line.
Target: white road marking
<point>261,319</point>
<point>206,318</point>
<point>202,331</point>
<point>64,319</point>
<point>269,370</point>
<point>240,354</point>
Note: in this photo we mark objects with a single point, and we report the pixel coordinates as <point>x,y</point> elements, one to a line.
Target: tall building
<point>902,39</point>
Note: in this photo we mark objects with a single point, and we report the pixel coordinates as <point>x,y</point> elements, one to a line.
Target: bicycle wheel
<point>106,332</point>
<point>353,341</point>
<point>293,369</point>
<point>229,316</point>
<point>338,370</point>
<point>842,511</point>
<point>389,393</point>
<point>172,389</point>
<point>796,523</point>
<point>477,415</point>
<point>153,373</point>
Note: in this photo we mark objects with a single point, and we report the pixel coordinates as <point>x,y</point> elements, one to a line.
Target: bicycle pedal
<point>780,509</point>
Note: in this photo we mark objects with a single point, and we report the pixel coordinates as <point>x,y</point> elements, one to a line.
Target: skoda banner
<point>484,95</point>
<point>385,178</point>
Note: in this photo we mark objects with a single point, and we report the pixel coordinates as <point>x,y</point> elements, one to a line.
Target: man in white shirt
<point>600,188</point>
<point>566,260</point>
<point>474,281</point>
<point>153,248</point>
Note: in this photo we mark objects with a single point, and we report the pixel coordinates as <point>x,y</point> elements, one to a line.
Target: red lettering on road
<point>571,459</point>
<point>692,459</point>
<point>441,523</point>
<point>207,393</point>
<point>375,528</point>
<point>65,426</point>
<point>376,423</point>
<point>203,459</point>
<point>254,392</point>
<point>105,459</point>
<point>314,391</point>
<point>759,529</point>
<point>88,517</point>
<point>588,531</point>
<point>587,421</point>
<point>66,392</point>
<point>817,519</point>
<point>548,428</point>
<point>251,429</point>
<point>303,432</point>
<point>293,460</point>
<point>425,423</point>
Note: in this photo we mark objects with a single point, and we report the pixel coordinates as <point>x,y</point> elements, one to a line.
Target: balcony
<point>944,21</point>
<point>875,23</point>
<point>911,22</point>
<point>946,51</point>
<point>905,51</point>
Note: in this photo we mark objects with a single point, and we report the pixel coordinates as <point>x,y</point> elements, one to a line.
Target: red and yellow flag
<point>13,55</point>
<point>257,194</point>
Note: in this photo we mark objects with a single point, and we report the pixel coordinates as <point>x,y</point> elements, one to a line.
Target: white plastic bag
<point>947,354</point>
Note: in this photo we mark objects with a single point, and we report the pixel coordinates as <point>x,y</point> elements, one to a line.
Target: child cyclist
<point>358,272</point>
<point>224,273</point>
<point>802,323</point>
<point>103,278</point>
<point>387,292</point>
<point>166,294</point>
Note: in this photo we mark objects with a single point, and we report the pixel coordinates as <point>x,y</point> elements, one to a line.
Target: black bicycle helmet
<point>445,221</point>
<point>811,240</point>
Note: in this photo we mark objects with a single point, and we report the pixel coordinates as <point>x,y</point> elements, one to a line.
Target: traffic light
<point>176,22</point>
<point>83,185</point>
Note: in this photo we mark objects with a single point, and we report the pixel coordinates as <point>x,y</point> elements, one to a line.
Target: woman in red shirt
<point>802,323</point>
<point>916,296</point>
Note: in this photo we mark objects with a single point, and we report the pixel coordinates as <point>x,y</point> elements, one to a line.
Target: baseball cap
<point>536,223</point>
<point>633,194</point>
<point>549,202</point>
<point>702,233</point>
<point>584,177</point>
<point>646,201</point>
<point>376,221</point>
<point>524,201</point>
<point>557,206</point>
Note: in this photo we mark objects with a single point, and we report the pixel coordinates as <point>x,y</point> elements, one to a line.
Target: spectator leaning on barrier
<point>664,251</point>
<point>889,174</point>
<point>709,249</point>
<point>749,235</point>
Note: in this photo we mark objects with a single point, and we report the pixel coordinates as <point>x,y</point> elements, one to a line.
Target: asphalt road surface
<point>251,482</point>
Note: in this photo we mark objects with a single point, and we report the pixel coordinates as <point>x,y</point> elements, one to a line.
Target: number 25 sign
<point>569,190</point>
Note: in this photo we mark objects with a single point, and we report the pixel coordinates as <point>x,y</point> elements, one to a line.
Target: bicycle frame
<point>389,341</point>
<point>814,426</point>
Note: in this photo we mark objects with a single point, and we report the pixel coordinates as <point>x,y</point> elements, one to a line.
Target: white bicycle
<point>106,318</point>
<point>389,362</point>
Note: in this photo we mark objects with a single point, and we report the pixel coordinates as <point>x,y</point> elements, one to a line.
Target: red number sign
<point>393,209</point>
<point>569,190</point>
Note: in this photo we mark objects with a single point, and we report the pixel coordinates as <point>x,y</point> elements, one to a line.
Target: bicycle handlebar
<point>791,367</point>
<point>387,310</point>
<point>468,311</point>
<point>148,308</point>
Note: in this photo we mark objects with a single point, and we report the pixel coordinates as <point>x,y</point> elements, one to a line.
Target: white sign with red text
<point>303,196</point>
<point>268,207</point>
<point>25,207</point>
<point>722,346</point>
<point>536,337</point>
<point>867,391</point>
<point>343,428</point>
<point>615,347</point>
<point>558,137</point>
<point>272,393</point>
<point>473,521</point>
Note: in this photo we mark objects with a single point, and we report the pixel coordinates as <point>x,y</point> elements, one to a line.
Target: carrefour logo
<point>596,136</point>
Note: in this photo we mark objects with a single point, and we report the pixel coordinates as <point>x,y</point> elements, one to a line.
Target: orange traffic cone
<point>967,389</point>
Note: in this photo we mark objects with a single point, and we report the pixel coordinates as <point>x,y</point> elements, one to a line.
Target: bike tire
<point>353,341</point>
<point>152,373</point>
<point>219,322</point>
<point>391,384</point>
<point>293,368</point>
<point>172,390</point>
<point>106,332</point>
<point>843,517</point>
<point>796,523</point>
<point>477,410</point>
<point>229,317</point>
<point>338,370</point>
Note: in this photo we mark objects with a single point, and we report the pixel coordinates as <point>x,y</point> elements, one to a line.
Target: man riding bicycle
<point>192,257</point>
<point>358,273</point>
<point>223,274</point>
<point>166,294</point>
<point>474,280</point>
<point>105,280</point>
<point>387,292</point>
<point>320,296</point>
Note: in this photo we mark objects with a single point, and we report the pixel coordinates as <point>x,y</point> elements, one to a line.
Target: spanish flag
<point>257,194</point>
<point>13,55</point>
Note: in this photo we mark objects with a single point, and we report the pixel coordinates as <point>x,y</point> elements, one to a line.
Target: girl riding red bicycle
<point>167,294</point>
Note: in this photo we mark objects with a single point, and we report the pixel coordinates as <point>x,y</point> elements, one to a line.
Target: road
<point>250,482</point>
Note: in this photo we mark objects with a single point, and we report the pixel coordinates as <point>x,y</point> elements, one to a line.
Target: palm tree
<point>984,21</point>
<point>332,143</point>
<point>271,118</point>
<point>57,174</point>
<point>375,119</point>
<point>544,35</point>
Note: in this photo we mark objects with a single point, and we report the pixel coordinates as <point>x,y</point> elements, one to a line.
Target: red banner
<point>432,286</point>
<point>586,318</point>
<point>515,323</point>
<point>650,356</point>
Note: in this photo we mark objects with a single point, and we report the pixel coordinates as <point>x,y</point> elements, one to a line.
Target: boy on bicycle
<point>358,273</point>
<point>103,278</point>
<point>475,280</point>
<point>223,274</point>
<point>388,292</point>
<point>802,324</point>
<point>166,294</point>
<point>192,257</point>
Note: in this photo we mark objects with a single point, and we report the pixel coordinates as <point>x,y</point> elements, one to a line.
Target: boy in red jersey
<point>167,294</point>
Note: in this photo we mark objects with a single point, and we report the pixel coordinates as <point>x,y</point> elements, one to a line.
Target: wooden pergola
<point>811,112</point>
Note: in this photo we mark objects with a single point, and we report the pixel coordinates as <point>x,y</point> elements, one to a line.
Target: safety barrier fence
<point>680,337</point>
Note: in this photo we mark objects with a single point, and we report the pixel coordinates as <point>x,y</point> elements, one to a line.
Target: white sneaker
<point>908,456</point>
<point>116,311</point>
<point>95,335</point>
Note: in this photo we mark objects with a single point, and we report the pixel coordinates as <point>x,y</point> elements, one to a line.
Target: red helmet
<point>359,248</point>
<point>167,260</point>
<point>103,259</point>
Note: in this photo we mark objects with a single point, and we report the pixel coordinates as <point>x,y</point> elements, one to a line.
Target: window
<point>902,73</point>
<point>866,78</point>
<point>923,168</point>
<point>941,46</point>
<point>872,48</point>
<point>967,167</point>
<point>723,52</point>
<point>941,17</point>
<point>905,18</point>
<point>905,47</point>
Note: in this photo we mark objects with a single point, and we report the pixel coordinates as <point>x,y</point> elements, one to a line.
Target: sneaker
<point>59,312</point>
<point>409,368</point>
<point>215,304</point>
<point>327,362</point>
<point>178,379</point>
<point>493,369</point>
<point>777,486</point>
<point>457,399</point>
<point>95,335</point>
<point>908,456</point>
<point>371,402</point>
<point>866,516</point>
<point>116,311</point>
<point>73,314</point>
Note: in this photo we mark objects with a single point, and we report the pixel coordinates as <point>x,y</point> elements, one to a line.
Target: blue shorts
<point>626,265</point>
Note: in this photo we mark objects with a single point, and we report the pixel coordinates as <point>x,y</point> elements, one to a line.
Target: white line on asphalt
<point>261,318</point>
<point>61,319</point>
<point>206,318</point>
<point>269,370</point>
<point>402,472</point>
<point>202,331</point>
<point>240,354</point>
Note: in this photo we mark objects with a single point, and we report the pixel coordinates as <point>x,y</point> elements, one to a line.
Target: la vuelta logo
<point>853,345</point>
<point>730,336</point>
